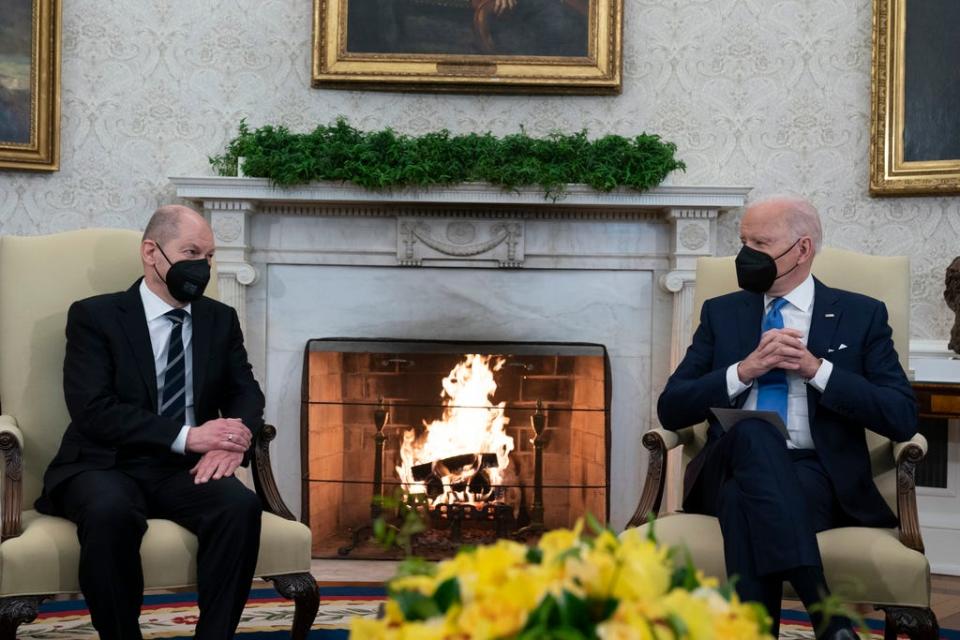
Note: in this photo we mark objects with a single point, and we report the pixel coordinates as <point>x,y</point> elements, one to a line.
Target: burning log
<point>462,472</point>
<point>455,465</point>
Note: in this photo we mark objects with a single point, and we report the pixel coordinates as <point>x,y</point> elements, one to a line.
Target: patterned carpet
<point>268,615</point>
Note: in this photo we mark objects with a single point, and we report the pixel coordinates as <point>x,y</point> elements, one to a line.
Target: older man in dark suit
<point>821,358</point>
<point>163,408</point>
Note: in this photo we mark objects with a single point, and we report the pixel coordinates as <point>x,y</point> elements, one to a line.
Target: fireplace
<point>333,259</point>
<point>485,440</point>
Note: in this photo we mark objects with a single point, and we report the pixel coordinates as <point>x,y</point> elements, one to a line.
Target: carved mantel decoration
<point>447,240</point>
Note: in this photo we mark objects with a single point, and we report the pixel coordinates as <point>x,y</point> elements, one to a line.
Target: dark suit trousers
<point>110,508</point>
<point>771,501</point>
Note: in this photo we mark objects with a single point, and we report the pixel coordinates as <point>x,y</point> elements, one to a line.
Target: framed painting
<point>30,85</point>
<point>915,128</point>
<point>507,46</point>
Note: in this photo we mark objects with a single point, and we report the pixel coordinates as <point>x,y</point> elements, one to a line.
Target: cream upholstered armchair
<point>884,568</point>
<point>39,278</point>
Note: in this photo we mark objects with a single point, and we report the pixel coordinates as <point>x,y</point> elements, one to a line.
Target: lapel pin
<point>828,315</point>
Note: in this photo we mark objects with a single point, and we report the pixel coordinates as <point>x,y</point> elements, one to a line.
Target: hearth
<point>484,440</point>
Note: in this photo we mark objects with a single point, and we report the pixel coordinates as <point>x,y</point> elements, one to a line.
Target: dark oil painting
<point>556,28</point>
<point>931,128</point>
<point>16,18</point>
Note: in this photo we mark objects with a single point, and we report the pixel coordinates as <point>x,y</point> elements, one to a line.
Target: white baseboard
<point>940,545</point>
<point>945,569</point>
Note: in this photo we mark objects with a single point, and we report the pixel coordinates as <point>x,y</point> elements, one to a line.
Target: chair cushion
<point>862,564</point>
<point>45,557</point>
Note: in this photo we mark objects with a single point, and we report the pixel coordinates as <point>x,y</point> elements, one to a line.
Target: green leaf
<point>572,552</point>
<point>447,594</point>
<point>677,625</point>
<point>595,526</point>
<point>651,530</point>
<point>729,588</point>
<point>534,555</point>
<point>574,611</point>
<point>685,577</point>
<point>602,608</point>
<point>415,606</point>
<point>542,616</point>
<point>569,633</point>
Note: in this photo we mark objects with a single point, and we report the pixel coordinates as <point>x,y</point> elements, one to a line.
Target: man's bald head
<point>164,224</point>
<point>797,214</point>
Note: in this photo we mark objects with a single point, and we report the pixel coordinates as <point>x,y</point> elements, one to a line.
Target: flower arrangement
<point>570,586</point>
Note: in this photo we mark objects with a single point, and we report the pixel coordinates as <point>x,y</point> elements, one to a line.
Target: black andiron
<point>539,421</point>
<point>380,417</point>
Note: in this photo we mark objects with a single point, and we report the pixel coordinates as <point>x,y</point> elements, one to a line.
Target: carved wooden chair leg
<point>16,611</point>
<point>302,589</point>
<point>917,623</point>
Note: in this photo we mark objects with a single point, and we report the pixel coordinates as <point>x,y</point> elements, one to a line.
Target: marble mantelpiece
<point>470,262</point>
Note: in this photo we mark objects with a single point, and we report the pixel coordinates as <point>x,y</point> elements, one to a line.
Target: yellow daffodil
<point>501,584</point>
<point>692,612</point>
<point>559,541</point>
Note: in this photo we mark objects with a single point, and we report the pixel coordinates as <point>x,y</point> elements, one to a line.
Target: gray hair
<point>800,215</point>
<point>164,224</point>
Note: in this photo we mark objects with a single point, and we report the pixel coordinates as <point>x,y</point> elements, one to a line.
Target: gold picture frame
<point>915,129</point>
<point>30,85</point>
<point>478,46</point>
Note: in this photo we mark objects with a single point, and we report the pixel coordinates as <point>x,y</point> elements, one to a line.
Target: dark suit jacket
<point>110,385</point>
<point>867,389</point>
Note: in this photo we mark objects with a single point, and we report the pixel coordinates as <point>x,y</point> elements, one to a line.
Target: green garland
<point>385,159</point>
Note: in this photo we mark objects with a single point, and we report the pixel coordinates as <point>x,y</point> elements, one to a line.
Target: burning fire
<point>453,454</point>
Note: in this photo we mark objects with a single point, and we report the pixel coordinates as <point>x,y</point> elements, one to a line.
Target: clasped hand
<point>222,442</point>
<point>779,349</point>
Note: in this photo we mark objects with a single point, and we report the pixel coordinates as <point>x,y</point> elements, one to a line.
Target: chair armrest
<point>263,479</point>
<point>659,442</point>
<point>11,447</point>
<point>901,449</point>
<point>669,439</point>
<point>907,456</point>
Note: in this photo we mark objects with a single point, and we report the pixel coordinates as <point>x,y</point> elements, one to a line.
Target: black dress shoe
<point>843,633</point>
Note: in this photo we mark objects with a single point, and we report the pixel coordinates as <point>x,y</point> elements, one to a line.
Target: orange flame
<point>471,424</point>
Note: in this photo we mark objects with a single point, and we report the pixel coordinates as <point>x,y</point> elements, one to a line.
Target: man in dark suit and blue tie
<point>824,360</point>
<point>163,408</point>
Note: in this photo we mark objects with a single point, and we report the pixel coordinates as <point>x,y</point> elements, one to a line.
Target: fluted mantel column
<point>693,235</point>
<point>230,220</point>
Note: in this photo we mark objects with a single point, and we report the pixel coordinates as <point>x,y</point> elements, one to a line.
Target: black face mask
<point>186,279</point>
<point>757,271</point>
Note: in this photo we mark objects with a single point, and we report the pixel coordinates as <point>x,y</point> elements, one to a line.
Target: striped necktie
<point>772,386</point>
<point>173,389</point>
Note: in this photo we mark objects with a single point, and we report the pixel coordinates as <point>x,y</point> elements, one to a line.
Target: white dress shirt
<point>797,314</point>
<point>160,329</point>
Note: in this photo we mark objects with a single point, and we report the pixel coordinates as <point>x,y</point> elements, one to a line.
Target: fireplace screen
<point>487,440</point>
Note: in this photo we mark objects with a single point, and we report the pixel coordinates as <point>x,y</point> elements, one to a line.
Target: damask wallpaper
<point>770,94</point>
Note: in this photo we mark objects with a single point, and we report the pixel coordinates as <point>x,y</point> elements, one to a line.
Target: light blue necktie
<point>772,386</point>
